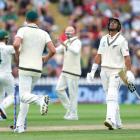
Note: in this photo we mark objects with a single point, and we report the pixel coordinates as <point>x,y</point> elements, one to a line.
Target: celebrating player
<point>70,74</point>
<point>113,55</point>
<point>29,44</point>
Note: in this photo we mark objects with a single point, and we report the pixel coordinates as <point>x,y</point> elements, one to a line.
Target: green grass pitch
<point>89,114</point>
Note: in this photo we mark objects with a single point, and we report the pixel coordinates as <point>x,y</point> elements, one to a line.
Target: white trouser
<point>69,101</point>
<point>7,85</point>
<point>26,83</point>
<point>111,84</point>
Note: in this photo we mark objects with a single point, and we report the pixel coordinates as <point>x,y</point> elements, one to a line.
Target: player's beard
<point>113,29</point>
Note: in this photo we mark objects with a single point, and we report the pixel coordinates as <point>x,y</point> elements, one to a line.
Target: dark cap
<point>31,15</point>
<point>3,34</point>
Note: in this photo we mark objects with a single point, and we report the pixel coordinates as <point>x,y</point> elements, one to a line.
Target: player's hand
<point>130,77</point>
<point>90,76</point>
<point>44,59</point>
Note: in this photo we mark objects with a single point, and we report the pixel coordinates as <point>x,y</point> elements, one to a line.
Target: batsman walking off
<point>113,55</point>
<point>29,44</point>
<point>71,72</point>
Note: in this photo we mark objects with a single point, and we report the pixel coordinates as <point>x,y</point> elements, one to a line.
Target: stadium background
<point>90,17</point>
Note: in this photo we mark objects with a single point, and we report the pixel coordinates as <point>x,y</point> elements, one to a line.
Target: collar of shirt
<point>71,39</point>
<point>75,37</point>
<point>32,25</point>
<point>113,37</point>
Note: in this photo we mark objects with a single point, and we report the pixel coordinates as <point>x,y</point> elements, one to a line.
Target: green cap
<point>31,15</point>
<point>3,34</point>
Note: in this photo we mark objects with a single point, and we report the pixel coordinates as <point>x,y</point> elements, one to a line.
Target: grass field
<point>88,127</point>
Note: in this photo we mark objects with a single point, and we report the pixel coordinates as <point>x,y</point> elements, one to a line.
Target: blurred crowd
<point>90,18</point>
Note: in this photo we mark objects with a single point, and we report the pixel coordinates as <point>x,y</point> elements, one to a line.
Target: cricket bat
<point>131,86</point>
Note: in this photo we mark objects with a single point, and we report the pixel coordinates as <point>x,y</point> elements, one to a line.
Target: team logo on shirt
<point>114,46</point>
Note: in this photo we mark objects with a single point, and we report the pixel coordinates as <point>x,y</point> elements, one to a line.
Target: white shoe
<point>3,115</point>
<point>19,129</point>
<point>67,114</point>
<point>71,117</point>
<point>119,126</point>
<point>44,105</point>
<point>108,123</point>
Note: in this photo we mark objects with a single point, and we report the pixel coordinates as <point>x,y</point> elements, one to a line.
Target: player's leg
<point>26,97</point>
<point>3,115</point>
<point>20,124</point>
<point>118,118</point>
<point>61,93</point>
<point>43,101</point>
<point>105,82</point>
<point>7,85</point>
<point>24,86</point>
<point>112,99</point>
<point>9,89</point>
<point>73,96</point>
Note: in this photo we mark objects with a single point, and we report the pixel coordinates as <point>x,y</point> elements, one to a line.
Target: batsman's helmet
<point>119,24</point>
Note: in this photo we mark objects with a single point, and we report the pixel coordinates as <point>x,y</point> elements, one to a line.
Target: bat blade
<point>122,75</point>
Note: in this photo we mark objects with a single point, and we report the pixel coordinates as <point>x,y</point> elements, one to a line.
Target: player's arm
<point>51,51</point>
<point>75,47</point>
<point>16,45</point>
<point>97,62</point>
<point>97,59</point>
<point>90,76</point>
<point>127,61</point>
<point>60,49</point>
<point>17,42</point>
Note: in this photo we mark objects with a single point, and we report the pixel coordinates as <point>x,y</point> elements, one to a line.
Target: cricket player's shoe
<point>108,123</point>
<point>67,114</point>
<point>44,105</point>
<point>119,126</point>
<point>3,115</point>
<point>19,129</point>
<point>71,117</point>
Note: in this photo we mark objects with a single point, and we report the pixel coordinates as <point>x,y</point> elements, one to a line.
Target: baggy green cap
<point>3,34</point>
<point>31,15</point>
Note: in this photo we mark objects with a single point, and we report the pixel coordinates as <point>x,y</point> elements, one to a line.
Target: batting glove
<point>130,77</point>
<point>90,76</point>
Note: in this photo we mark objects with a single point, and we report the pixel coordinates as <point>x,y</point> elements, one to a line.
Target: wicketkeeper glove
<point>90,76</point>
<point>130,77</point>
